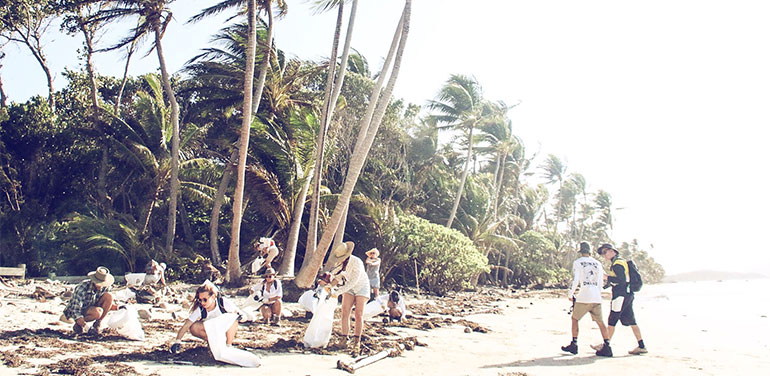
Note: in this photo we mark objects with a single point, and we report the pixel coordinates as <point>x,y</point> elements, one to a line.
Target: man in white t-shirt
<point>588,275</point>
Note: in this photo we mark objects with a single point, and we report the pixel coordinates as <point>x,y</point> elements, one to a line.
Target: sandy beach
<point>694,328</point>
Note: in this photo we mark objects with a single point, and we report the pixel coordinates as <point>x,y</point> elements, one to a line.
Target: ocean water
<point>731,315</point>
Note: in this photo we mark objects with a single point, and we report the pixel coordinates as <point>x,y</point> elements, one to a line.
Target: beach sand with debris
<point>704,328</point>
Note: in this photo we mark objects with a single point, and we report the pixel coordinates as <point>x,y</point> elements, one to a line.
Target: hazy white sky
<point>664,104</point>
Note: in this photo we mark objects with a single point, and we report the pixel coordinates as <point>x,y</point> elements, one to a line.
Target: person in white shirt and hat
<point>349,277</point>
<point>155,273</point>
<point>91,301</point>
<point>267,251</point>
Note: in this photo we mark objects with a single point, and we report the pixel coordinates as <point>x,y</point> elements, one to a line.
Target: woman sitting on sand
<point>350,278</point>
<point>271,293</point>
<point>208,305</point>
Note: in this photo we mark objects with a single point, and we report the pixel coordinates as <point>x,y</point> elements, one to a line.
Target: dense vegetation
<point>114,171</point>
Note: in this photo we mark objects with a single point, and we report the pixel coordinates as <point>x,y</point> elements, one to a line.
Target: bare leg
<point>266,312</point>
<point>93,313</point>
<point>603,329</point>
<point>637,332</point>
<point>575,328</point>
<point>230,335</point>
<point>347,305</point>
<point>198,330</point>
<point>276,309</point>
<point>360,303</point>
<point>376,292</point>
<point>610,331</point>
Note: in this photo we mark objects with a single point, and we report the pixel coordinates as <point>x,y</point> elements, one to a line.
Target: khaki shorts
<point>582,308</point>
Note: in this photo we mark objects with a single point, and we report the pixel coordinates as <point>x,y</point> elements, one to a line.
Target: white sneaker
<point>638,351</point>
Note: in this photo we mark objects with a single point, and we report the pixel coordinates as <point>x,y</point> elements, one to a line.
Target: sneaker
<point>597,347</point>
<point>77,329</point>
<point>95,328</point>
<point>571,348</point>
<point>606,350</point>
<point>356,348</point>
<point>638,351</point>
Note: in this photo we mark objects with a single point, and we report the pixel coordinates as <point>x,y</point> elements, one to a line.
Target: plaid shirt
<point>83,297</point>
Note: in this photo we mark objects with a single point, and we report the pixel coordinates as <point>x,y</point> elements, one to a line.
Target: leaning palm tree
<point>461,106</point>
<point>378,102</point>
<point>154,17</point>
<point>332,91</point>
<point>251,99</point>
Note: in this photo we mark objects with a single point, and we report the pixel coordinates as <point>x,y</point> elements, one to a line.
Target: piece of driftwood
<point>365,361</point>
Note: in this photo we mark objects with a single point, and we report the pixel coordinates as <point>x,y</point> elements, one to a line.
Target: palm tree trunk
<point>233,260</point>
<point>312,228</point>
<point>130,52</point>
<point>369,126</point>
<point>171,230</point>
<point>494,194</point>
<point>218,200</point>
<point>3,97</point>
<point>186,228</point>
<point>462,179</point>
<point>287,265</point>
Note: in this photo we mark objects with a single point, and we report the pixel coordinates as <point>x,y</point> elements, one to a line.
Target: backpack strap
<point>221,302</point>
<point>623,263</point>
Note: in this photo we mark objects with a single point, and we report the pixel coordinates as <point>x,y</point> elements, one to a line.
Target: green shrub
<point>446,259</point>
<point>536,261</point>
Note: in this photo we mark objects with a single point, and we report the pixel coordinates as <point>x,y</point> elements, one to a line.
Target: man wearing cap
<point>588,275</point>
<point>622,298</point>
<point>349,276</point>
<point>91,301</point>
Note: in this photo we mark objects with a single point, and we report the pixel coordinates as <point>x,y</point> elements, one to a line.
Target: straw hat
<point>338,255</point>
<point>101,277</point>
<point>374,252</point>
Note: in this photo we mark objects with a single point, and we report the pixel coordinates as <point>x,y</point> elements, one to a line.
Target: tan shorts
<point>582,308</point>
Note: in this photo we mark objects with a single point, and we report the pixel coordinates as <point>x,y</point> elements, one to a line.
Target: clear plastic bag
<point>308,301</point>
<point>125,321</point>
<point>375,307</point>
<point>135,279</point>
<point>319,331</point>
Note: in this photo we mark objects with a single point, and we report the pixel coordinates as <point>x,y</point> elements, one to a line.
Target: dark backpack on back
<point>635,283</point>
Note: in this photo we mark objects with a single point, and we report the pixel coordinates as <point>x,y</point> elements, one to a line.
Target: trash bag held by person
<point>208,304</point>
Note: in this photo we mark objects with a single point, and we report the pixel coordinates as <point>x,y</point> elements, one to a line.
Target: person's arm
<point>575,280</point>
<point>180,334</point>
<point>352,274</point>
<point>620,274</point>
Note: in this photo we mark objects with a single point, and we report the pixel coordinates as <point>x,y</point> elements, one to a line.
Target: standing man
<point>91,301</point>
<point>622,307</point>
<point>588,274</point>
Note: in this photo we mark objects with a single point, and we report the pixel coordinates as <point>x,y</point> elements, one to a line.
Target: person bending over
<point>91,301</point>
<point>271,293</point>
<point>208,305</point>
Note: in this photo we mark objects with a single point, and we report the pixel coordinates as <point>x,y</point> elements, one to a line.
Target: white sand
<point>690,329</point>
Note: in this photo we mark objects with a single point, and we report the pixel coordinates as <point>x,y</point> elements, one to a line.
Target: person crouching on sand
<point>350,279</point>
<point>272,293</point>
<point>588,275</point>
<point>396,307</point>
<point>91,301</point>
<point>208,305</point>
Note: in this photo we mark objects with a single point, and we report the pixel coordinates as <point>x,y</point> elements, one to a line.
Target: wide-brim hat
<point>101,277</point>
<point>339,254</point>
<point>269,271</point>
<point>373,252</point>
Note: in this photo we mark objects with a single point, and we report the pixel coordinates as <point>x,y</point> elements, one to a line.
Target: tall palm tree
<point>154,17</point>
<point>332,91</point>
<point>460,106</point>
<point>368,130</point>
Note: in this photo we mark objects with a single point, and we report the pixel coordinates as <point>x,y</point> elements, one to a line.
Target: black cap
<point>585,248</point>
<point>605,247</point>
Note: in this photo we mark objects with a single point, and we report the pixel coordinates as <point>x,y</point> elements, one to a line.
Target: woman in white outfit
<point>349,276</point>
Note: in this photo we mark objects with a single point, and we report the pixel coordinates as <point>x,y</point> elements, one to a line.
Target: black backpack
<point>635,283</point>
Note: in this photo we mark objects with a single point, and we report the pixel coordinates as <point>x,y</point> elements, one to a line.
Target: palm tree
<point>154,17</point>
<point>368,130</point>
<point>332,91</point>
<point>554,171</point>
<point>460,106</point>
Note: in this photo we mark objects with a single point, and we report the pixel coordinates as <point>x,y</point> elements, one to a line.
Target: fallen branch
<point>363,362</point>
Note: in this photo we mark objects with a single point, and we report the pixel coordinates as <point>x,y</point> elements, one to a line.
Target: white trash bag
<point>257,264</point>
<point>375,307</point>
<point>308,301</point>
<point>135,279</point>
<point>216,331</point>
<point>319,331</point>
<point>125,321</point>
<point>123,295</point>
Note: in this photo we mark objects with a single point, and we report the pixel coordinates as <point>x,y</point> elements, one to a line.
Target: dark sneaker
<point>571,348</point>
<point>95,328</point>
<point>606,350</point>
<point>77,329</point>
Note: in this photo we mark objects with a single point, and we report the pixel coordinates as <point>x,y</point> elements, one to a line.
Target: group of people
<point>588,281</point>
<point>344,274</point>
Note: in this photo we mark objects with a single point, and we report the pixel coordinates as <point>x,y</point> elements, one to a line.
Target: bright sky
<point>661,103</point>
